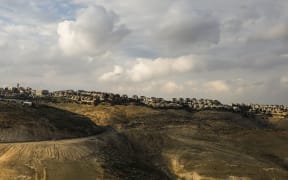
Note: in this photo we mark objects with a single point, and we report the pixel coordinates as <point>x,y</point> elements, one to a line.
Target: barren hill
<point>20,123</point>
<point>136,142</point>
<point>207,144</point>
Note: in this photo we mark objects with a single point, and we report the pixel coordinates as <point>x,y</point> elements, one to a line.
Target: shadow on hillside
<point>39,123</point>
<point>69,121</point>
<point>123,159</point>
<point>112,149</point>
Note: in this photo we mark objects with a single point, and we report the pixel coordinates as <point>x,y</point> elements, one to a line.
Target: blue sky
<point>234,51</point>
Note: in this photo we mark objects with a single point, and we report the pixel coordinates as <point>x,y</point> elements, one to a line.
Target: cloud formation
<point>171,87</point>
<point>112,76</point>
<point>218,86</point>
<point>185,27</point>
<point>235,51</point>
<point>95,30</point>
<point>147,69</point>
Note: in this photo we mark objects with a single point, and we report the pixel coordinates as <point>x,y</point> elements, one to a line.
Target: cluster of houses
<point>95,98</point>
<point>274,110</point>
<point>19,92</point>
<point>15,92</point>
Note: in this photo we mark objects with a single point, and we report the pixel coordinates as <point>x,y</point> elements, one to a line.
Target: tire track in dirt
<point>27,160</point>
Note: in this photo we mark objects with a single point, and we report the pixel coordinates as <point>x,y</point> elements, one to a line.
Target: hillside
<point>136,142</point>
<point>206,143</point>
<point>20,123</point>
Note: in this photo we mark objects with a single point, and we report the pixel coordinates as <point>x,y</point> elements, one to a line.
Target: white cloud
<point>284,80</point>
<point>276,32</point>
<point>111,76</point>
<point>146,69</point>
<point>218,86</point>
<point>94,31</point>
<point>171,88</point>
<point>210,88</point>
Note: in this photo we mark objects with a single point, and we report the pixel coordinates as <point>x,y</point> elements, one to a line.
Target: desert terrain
<point>72,141</point>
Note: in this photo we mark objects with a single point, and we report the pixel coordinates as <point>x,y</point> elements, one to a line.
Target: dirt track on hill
<point>95,157</point>
<point>31,159</point>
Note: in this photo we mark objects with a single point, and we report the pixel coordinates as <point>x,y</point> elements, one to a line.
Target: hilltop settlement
<point>29,96</point>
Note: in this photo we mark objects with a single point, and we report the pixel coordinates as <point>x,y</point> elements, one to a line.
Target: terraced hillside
<point>135,142</point>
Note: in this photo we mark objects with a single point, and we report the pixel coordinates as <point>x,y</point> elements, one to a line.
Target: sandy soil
<point>95,157</point>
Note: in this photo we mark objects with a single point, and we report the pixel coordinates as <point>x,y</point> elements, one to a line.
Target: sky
<point>230,50</point>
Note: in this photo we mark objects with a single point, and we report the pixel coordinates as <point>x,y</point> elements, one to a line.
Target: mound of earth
<point>21,124</point>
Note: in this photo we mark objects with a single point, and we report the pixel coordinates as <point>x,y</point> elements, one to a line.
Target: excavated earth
<point>71,141</point>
